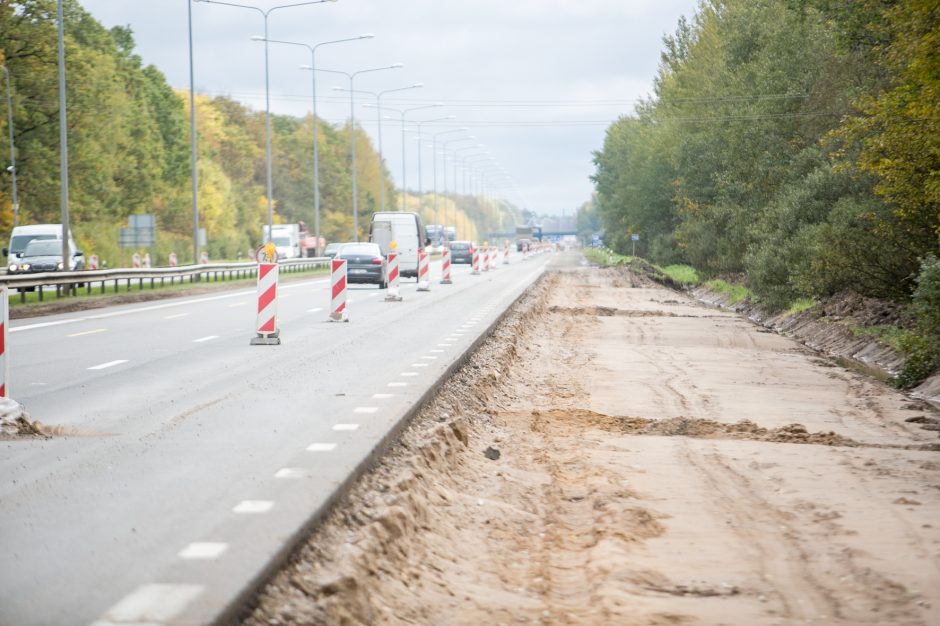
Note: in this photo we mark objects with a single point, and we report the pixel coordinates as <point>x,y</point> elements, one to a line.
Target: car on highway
<point>332,249</point>
<point>461,252</point>
<point>364,263</point>
<point>44,255</point>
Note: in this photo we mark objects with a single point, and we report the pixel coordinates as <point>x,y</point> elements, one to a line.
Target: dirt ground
<point>617,454</point>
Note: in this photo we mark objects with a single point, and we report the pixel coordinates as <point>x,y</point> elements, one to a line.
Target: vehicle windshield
<point>459,246</point>
<point>283,242</point>
<point>43,247</point>
<point>360,248</point>
<point>19,242</point>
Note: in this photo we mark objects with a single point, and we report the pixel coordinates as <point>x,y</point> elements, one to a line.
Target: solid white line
<point>89,332</point>
<point>108,364</point>
<point>347,427</point>
<point>153,603</point>
<point>208,338</point>
<point>321,447</point>
<point>253,506</point>
<point>366,409</point>
<point>206,550</point>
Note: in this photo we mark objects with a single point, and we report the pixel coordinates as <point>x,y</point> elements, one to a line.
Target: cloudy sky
<point>536,82</point>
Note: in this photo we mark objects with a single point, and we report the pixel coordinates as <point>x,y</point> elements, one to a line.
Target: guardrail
<point>68,283</point>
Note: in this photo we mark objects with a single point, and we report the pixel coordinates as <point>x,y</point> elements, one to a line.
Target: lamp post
<point>434,161</point>
<point>456,152</point>
<point>63,141</point>
<point>378,115</point>
<point>12,168</point>
<point>444,145</point>
<point>352,132</point>
<point>419,124</point>
<point>194,175</point>
<point>267,91</point>
<point>316,140</point>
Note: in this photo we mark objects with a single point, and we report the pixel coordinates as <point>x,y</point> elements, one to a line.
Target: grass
<point>602,256</point>
<point>685,275</point>
<point>887,334</point>
<point>735,293</point>
<point>800,305</point>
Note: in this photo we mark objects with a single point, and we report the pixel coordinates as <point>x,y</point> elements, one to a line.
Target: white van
<point>22,235</point>
<point>407,231</point>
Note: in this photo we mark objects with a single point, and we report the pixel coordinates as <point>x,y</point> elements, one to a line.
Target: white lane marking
<point>398,384</point>
<point>346,427</point>
<point>153,603</point>
<point>253,506</point>
<point>316,310</point>
<point>108,364</point>
<point>159,307</point>
<point>438,351</point>
<point>291,472</point>
<point>409,374</point>
<point>89,332</point>
<point>419,364</point>
<point>321,447</point>
<point>205,550</point>
<point>207,338</point>
<point>383,396</point>
<point>445,345</point>
<point>175,316</point>
<point>430,358</point>
<point>366,409</point>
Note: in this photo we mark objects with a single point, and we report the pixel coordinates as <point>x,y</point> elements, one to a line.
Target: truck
<point>524,236</point>
<point>286,238</point>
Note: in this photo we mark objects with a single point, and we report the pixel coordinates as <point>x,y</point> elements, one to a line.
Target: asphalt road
<point>189,462</point>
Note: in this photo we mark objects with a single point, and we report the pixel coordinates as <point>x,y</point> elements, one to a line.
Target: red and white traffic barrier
<point>494,257</point>
<point>92,262</point>
<point>4,323</point>
<point>268,333</point>
<point>475,258</point>
<point>445,267</point>
<point>135,261</point>
<point>173,260</point>
<point>424,271</point>
<point>486,258</point>
<point>147,261</point>
<point>393,278</point>
<point>204,257</point>
<point>506,253</point>
<point>338,291</point>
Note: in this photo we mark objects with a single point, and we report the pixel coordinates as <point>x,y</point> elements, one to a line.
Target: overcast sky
<point>537,82</point>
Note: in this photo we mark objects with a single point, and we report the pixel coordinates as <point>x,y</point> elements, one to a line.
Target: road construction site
<point>618,453</point>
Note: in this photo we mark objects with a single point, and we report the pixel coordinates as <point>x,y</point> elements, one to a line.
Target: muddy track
<point>616,454</point>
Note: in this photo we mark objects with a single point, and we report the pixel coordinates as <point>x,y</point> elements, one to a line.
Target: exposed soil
<point>616,453</point>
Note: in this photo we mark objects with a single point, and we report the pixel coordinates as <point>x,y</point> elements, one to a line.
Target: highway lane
<point>193,456</point>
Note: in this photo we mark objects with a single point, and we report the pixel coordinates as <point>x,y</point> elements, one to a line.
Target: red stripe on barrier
<point>341,308</point>
<point>264,269</point>
<point>267,298</point>
<point>3,339</point>
<point>267,327</point>
<point>3,391</point>
<point>339,286</point>
<point>393,273</point>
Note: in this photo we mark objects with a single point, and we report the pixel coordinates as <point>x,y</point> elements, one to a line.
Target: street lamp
<point>267,90</point>
<point>12,168</point>
<point>352,132</point>
<point>316,139</point>
<point>378,114</point>
<point>434,160</point>
<point>419,124</point>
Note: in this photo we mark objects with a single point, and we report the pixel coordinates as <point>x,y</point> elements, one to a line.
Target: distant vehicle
<point>44,255</point>
<point>332,249</point>
<point>364,263</point>
<point>461,252</point>
<point>22,235</point>
<point>286,238</point>
<point>435,232</point>
<point>524,236</point>
<point>406,230</point>
<point>523,244</point>
<point>450,233</point>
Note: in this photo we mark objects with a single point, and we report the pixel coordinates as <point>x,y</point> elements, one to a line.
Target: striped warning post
<point>506,253</point>
<point>486,258</point>
<point>338,290</point>
<point>4,323</point>
<point>173,260</point>
<point>424,271</point>
<point>147,261</point>
<point>268,333</point>
<point>445,267</point>
<point>92,262</point>
<point>393,295</point>
<point>204,258</point>
<point>135,261</point>
<point>475,257</point>
<point>494,257</point>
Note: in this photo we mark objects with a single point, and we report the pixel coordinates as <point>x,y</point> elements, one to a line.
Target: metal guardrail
<point>67,283</point>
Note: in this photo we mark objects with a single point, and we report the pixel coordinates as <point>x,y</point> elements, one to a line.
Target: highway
<point>188,462</point>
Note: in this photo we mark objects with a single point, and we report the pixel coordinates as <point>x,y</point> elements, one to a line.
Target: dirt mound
<point>15,422</point>
<point>863,311</point>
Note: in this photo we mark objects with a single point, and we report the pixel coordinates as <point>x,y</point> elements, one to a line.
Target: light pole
<point>456,152</point>
<point>267,91</point>
<point>352,133</point>
<point>434,161</point>
<point>378,115</point>
<point>419,124</point>
<point>316,140</point>
<point>63,142</point>
<point>12,168</point>
<point>194,175</point>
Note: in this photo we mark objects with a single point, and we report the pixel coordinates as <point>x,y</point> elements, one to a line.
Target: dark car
<point>364,263</point>
<point>44,255</point>
<point>461,252</point>
<point>332,249</point>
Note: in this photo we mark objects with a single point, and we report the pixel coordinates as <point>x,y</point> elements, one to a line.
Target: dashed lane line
<point>253,507</point>
<point>105,366</point>
<point>89,332</point>
<point>151,603</point>
<point>321,447</point>
<point>203,551</point>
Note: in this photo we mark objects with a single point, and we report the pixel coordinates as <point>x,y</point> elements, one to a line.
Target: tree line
<point>793,144</point>
<point>129,148</point>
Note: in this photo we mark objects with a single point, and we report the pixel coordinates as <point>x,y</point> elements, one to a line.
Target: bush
<point>922,347</point>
